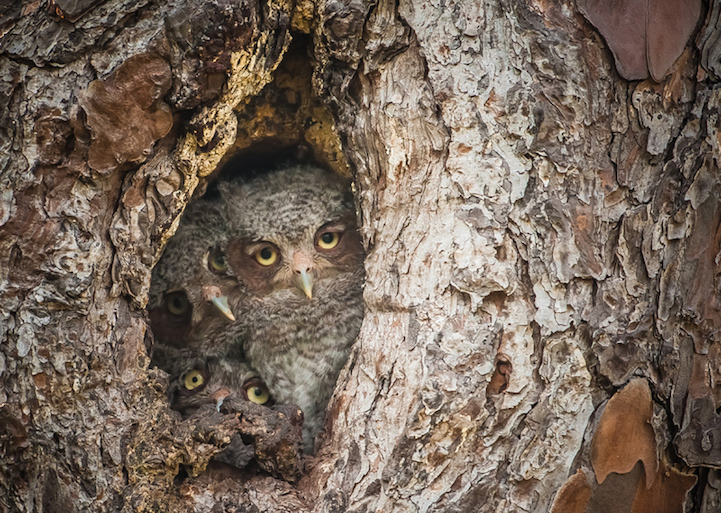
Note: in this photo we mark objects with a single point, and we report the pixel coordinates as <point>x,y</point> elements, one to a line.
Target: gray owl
<point>297,256</point>
<point>196,382</point>
<point>199,382</point>
<point>188,307</point>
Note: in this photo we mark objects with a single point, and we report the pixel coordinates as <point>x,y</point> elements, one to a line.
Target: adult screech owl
<point>188,309</point>
<point>296,253</point>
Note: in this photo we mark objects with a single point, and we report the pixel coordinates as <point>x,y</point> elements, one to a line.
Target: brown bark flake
<point>125,112</point>
<point>624,434</point>
<point>667,492</point>
<point>646,37</point>
<point>574,495</point>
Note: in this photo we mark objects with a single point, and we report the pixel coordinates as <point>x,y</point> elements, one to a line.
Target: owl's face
<point>211,381</point>
<point>277,263</point>
<point>292,232</point>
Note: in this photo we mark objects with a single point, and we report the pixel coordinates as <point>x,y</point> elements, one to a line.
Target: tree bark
<point>543,299</point>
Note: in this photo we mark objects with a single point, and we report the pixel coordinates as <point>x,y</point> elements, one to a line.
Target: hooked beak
<point>214,295</point>
<point>304,282</point>
<point>221,304</point>
<point>219,396</point>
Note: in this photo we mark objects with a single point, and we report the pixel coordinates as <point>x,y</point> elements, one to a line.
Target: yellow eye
<point>193,380</point>
<point>328,240</point>
<point>266,256</point>
<point>217,261</point>
<point>258,394</point>
<point>177,303</point>
<point>256,391</point>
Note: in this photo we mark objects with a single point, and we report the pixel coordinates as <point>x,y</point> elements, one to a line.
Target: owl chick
<point>188,307</point>
<point>297,255</point>
<point>210,381</point>
<point>199,382</point>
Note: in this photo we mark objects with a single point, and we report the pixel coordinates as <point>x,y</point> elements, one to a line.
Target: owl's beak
<point>302,276</point>
<point>219,396</point>
<point>221,303</point>
<point>304,281</point>
<point>212,293</point>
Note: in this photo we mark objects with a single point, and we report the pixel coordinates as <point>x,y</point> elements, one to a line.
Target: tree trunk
<point>543,295</point>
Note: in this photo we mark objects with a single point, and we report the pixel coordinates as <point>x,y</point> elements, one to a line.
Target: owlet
<point>195,383</point>
<point>188,307</point>
<point>295,251</point>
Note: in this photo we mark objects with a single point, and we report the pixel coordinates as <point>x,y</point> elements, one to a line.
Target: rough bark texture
<point>543,270</point>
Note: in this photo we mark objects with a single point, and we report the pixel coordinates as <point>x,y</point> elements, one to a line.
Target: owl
<point>188,306</point>
<point>194,383</point>
<point>199,382</point>
<point>295,251</point>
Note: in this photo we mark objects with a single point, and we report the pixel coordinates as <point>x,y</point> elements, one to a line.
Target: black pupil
<point>194,379</point>
<point>257,391</point>
<point>178,303</point>
<point>266,253</point>
<point>220,260</point>
<point>327,237</point>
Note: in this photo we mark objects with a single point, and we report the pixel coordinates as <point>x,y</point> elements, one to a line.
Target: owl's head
<point>211,381</point>
<point>291,230</point>
<point>185,294</point>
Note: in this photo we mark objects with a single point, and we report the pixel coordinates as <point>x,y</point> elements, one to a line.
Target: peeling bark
<point>543,239</point>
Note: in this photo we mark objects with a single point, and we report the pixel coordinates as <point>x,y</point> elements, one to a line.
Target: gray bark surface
<point>543,236</point>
